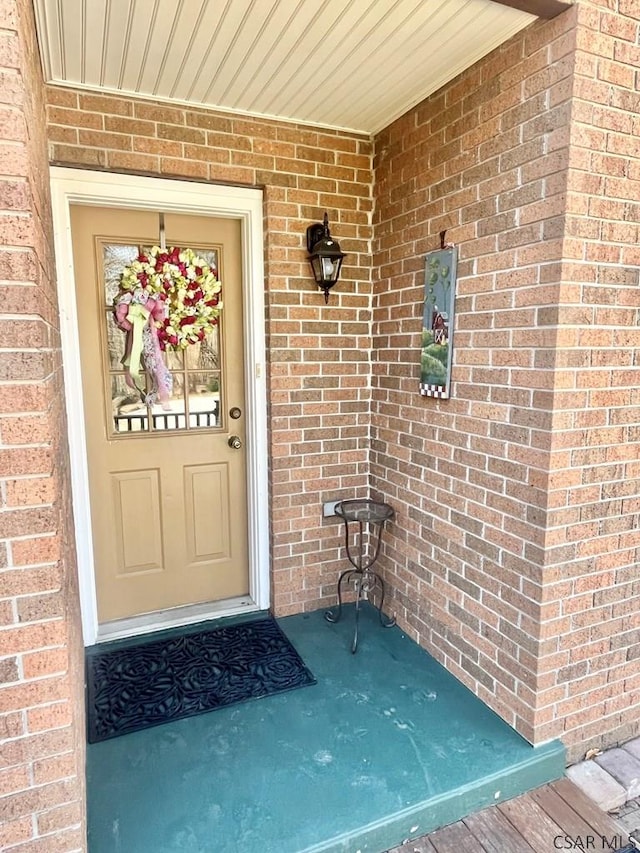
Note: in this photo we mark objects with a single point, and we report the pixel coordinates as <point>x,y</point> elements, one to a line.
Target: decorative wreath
<point>187,285</point>
<point>168,299</point>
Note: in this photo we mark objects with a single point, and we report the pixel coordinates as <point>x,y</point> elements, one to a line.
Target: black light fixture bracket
<point>316,232</point>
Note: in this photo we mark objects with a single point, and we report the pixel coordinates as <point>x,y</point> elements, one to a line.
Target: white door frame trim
<point>106,189</point>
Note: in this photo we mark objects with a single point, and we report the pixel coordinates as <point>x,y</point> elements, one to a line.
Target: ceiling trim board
<point>546,9</point>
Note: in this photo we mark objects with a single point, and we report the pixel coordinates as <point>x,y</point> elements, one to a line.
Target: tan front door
<point>168,492</point>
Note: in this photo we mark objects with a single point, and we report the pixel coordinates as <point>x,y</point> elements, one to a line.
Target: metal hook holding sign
<point>443,244</point>
<point>163,239</point>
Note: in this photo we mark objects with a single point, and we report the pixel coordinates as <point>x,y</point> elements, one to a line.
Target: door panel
<point>206,494</point>
<point>139,546</point>
<point>168,494</point>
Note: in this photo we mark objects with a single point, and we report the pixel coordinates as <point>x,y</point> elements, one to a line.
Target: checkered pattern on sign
<point>434,391</point>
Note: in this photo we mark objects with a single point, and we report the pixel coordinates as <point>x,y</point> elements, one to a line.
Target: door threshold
<point>159,620</point>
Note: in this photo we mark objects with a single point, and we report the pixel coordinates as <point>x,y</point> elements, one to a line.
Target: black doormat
<point>150,683</point>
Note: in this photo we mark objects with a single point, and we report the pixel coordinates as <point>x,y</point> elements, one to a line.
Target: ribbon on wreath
<point>136,314</point>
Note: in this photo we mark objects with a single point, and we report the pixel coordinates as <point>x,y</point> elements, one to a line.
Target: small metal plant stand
<point>362,555</point>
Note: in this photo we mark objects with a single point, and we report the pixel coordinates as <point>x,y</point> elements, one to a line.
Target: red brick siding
<point>41,669</point>
<point>485,158</point>
<point>318,355</point>
<point>501,516</point>
<point>593,536</point>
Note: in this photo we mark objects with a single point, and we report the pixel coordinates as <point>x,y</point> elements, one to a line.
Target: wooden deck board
<point>527,824</point>
<point>530,820</point>
<point>454,838</point>
<point>496,833</point>
<point>599,821</point>
<point>559,810</point>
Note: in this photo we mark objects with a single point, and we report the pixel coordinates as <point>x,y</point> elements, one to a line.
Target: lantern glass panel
<point>328,269</point>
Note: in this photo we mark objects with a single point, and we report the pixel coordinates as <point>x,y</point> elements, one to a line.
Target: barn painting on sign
<point>437,323</point>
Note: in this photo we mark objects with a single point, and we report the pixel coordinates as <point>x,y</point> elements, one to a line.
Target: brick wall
<point>593,536</point>
<point>318,355</point>
<point>41,681</point>
<point>513,557</point>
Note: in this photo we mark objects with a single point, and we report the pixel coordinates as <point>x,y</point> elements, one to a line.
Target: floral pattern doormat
<point>145,684</point>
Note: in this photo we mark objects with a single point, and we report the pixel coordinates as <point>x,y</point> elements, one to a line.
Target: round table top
<point>374,512</point>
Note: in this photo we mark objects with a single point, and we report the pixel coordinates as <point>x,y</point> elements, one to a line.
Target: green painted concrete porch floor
<point>386,746</point>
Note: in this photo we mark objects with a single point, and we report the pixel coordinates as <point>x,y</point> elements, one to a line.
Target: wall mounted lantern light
<point>325,256</point>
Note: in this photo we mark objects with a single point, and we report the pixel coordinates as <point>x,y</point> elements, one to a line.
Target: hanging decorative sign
<point>437,324</point>
<point>168,299</point>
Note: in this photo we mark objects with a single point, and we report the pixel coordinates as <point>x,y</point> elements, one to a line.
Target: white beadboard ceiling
<point>352,64</point>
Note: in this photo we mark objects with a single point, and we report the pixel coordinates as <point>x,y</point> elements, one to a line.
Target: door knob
<point>235,442</point>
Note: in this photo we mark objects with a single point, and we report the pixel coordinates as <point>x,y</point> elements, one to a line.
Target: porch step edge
<point>546,764</point>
